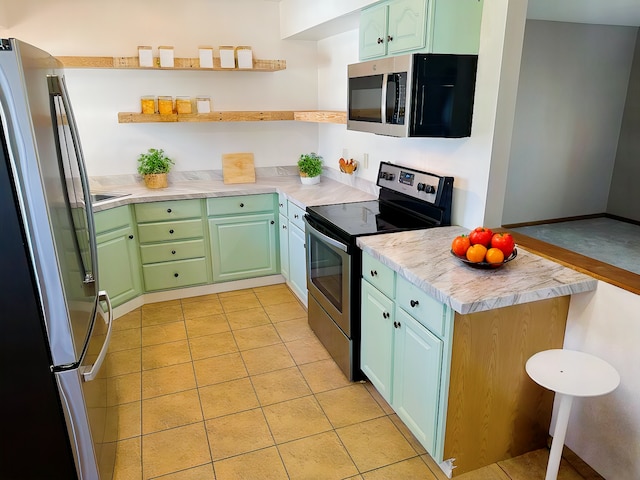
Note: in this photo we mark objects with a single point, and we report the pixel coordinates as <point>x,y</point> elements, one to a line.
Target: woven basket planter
<point>156,180</point>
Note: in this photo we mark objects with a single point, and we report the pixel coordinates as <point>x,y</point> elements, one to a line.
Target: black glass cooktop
<point>367,218</point>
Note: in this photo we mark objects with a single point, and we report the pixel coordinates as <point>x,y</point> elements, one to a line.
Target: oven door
<point>329,274</point>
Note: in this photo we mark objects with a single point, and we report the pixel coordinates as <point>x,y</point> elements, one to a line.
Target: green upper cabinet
<point>393,27</point>
<point>243,236</point>
<point>373,31</point>
<point>118,260</point>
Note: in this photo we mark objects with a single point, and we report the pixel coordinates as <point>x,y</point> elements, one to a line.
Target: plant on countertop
<point>310,164</point>
<point>154,161</point>
<point>154,166</point>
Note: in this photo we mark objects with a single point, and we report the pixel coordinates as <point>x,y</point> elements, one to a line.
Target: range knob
<point>423,187</point>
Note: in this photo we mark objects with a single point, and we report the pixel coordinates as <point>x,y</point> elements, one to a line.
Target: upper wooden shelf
<point>317,116</point>
<point>179,64</point>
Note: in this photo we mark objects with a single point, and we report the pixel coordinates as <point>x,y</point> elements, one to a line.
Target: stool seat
<point>572,373</point>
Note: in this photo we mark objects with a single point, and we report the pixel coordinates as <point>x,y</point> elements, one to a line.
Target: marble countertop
<point>328,191</point>
<point>423,257</point>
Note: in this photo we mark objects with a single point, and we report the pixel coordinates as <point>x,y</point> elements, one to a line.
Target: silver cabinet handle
<point>89,375</point>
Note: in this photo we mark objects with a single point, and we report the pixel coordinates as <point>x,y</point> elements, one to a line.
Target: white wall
<point>624,196</point>
<point>117,27</point>
<point>468,160</point>
<point>605,431</point>
<point>572,92</point>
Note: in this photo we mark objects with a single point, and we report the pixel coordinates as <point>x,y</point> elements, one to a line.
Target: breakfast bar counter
<point>423,257</point>
<point>493,320</point>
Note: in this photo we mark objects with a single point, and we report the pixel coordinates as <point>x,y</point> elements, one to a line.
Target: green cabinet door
<point>416,379</point>
<point>119,265</point>
<point>376,349</point>
<point>297,262</point>
<point>407,26</point>
<point>243,246</point>
<point>373,31</point>
<point>284,245</point>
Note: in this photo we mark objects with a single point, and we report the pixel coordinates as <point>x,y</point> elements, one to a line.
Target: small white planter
<point>310,180</point>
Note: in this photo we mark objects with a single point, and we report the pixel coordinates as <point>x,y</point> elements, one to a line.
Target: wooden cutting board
<point>238,168</point>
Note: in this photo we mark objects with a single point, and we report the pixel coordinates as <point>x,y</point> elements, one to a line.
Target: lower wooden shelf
<point>240,116</point>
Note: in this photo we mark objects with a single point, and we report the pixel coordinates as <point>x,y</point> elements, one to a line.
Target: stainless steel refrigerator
<point>54,332</point>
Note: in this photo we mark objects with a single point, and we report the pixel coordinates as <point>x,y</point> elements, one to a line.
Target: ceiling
<point>605,12</point>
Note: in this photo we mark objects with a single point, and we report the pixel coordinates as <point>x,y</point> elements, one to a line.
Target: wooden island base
<point>495,411</point>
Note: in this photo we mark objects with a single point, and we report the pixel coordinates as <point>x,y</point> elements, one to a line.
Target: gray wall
<point>571,99</point>
<point>624,195</point>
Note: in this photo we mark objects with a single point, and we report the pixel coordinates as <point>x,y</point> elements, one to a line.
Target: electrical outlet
<point>365,160</point>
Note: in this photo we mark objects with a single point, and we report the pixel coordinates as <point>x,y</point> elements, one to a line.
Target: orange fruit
<point>494,255</point>
<point>476,253</point>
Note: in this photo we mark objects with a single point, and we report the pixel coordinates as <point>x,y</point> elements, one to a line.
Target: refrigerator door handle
<point>91,372</point>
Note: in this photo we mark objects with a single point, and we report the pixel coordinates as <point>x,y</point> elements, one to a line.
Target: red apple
<point>481,235</point>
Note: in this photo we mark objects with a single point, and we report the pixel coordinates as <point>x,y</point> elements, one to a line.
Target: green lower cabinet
<point>416,378</point>
<point>297,262</point>
<point>119,265</point>
<point>400,355</point>
<point>376,349</point>
<point>284,246</point>
<point>243,246</point>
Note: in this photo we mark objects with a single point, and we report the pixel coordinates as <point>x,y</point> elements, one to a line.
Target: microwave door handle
<point>383,102</point>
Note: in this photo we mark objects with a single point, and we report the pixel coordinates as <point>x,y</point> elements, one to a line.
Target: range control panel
<point>425,186</point>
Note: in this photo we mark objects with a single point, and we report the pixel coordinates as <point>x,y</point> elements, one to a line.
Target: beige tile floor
<point>235,386</point>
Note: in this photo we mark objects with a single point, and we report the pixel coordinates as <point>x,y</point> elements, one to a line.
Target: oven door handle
<point>325,238</point>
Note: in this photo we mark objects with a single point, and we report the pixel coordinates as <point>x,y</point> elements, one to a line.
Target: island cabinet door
<point>376,350</point>
<point>416,378</point>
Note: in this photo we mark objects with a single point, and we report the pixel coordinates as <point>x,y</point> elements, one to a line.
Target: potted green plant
<point>154,166</point>
<point>310,167</point>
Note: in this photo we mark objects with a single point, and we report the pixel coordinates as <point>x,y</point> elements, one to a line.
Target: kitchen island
<point>484,406</point>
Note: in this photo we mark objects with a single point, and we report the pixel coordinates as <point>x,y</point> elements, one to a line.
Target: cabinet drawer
<point>240,204</point>
<point>161,276</point>
<point>296,215</point>
<point>170,210</point>
<point>111,219</point>
<point>421,306</point>
<point>163,231</point>
<point>378,275</point>
<point>171,251</point>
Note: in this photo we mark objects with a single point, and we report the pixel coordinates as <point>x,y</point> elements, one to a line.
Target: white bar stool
<point>569,374</point>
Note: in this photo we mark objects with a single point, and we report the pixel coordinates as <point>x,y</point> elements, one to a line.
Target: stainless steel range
<point>409,199</point>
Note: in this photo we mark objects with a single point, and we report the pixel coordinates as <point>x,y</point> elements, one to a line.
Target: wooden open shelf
<point>246,116</point>
<point>321,116</point>
<point>179,64</point>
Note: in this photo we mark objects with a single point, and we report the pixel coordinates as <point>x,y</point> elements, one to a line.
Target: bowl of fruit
<point>484,249</point>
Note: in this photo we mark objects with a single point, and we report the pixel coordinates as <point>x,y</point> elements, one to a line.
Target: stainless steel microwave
<point>415,95</point>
